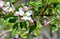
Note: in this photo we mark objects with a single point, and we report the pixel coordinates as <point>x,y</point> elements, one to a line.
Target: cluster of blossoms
<point>6,8</point>
<point>25,13</point>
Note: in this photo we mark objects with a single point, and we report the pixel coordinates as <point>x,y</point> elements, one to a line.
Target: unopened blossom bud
<point>16,14</point>
<point>45,22</point>
<point>3,12</point>
<point>1,3</point>
<point>25,8</point>
<point>31,21</point>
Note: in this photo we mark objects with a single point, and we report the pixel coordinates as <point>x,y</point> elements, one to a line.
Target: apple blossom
<point>8,9</point>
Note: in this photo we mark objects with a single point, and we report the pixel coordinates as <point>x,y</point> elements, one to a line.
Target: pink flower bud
<point>16,14</point>
<point>45,22</point>
<point>25,8</point>
<point>3,12</point>
<point>31,21</point>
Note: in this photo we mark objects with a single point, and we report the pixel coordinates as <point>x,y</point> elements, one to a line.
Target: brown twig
<point>46,7</point>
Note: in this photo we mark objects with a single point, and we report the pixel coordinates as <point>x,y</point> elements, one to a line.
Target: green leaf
<point>36,33</point>
<point>54,28</point>
<point>3,22</point>
<point>0,10</point>
<point>53,1</point>
<point>12,19</point>
<point>8,16</point>
<point>13,1</point>
<point>15,27</point>
<point>23,25</point>
<point>33,27</point>
<point>24,36</point>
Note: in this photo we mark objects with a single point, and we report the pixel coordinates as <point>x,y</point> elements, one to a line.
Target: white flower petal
<point>5,9</point>
<point>10,9</point>
<point>26,18</point>
<point>20,9</point>
<point>21,13</point>
<point>13,7</point>
<point>1,3</point>
<point>28,13</point>
<point>16,13</point>
<point>8,4</point>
